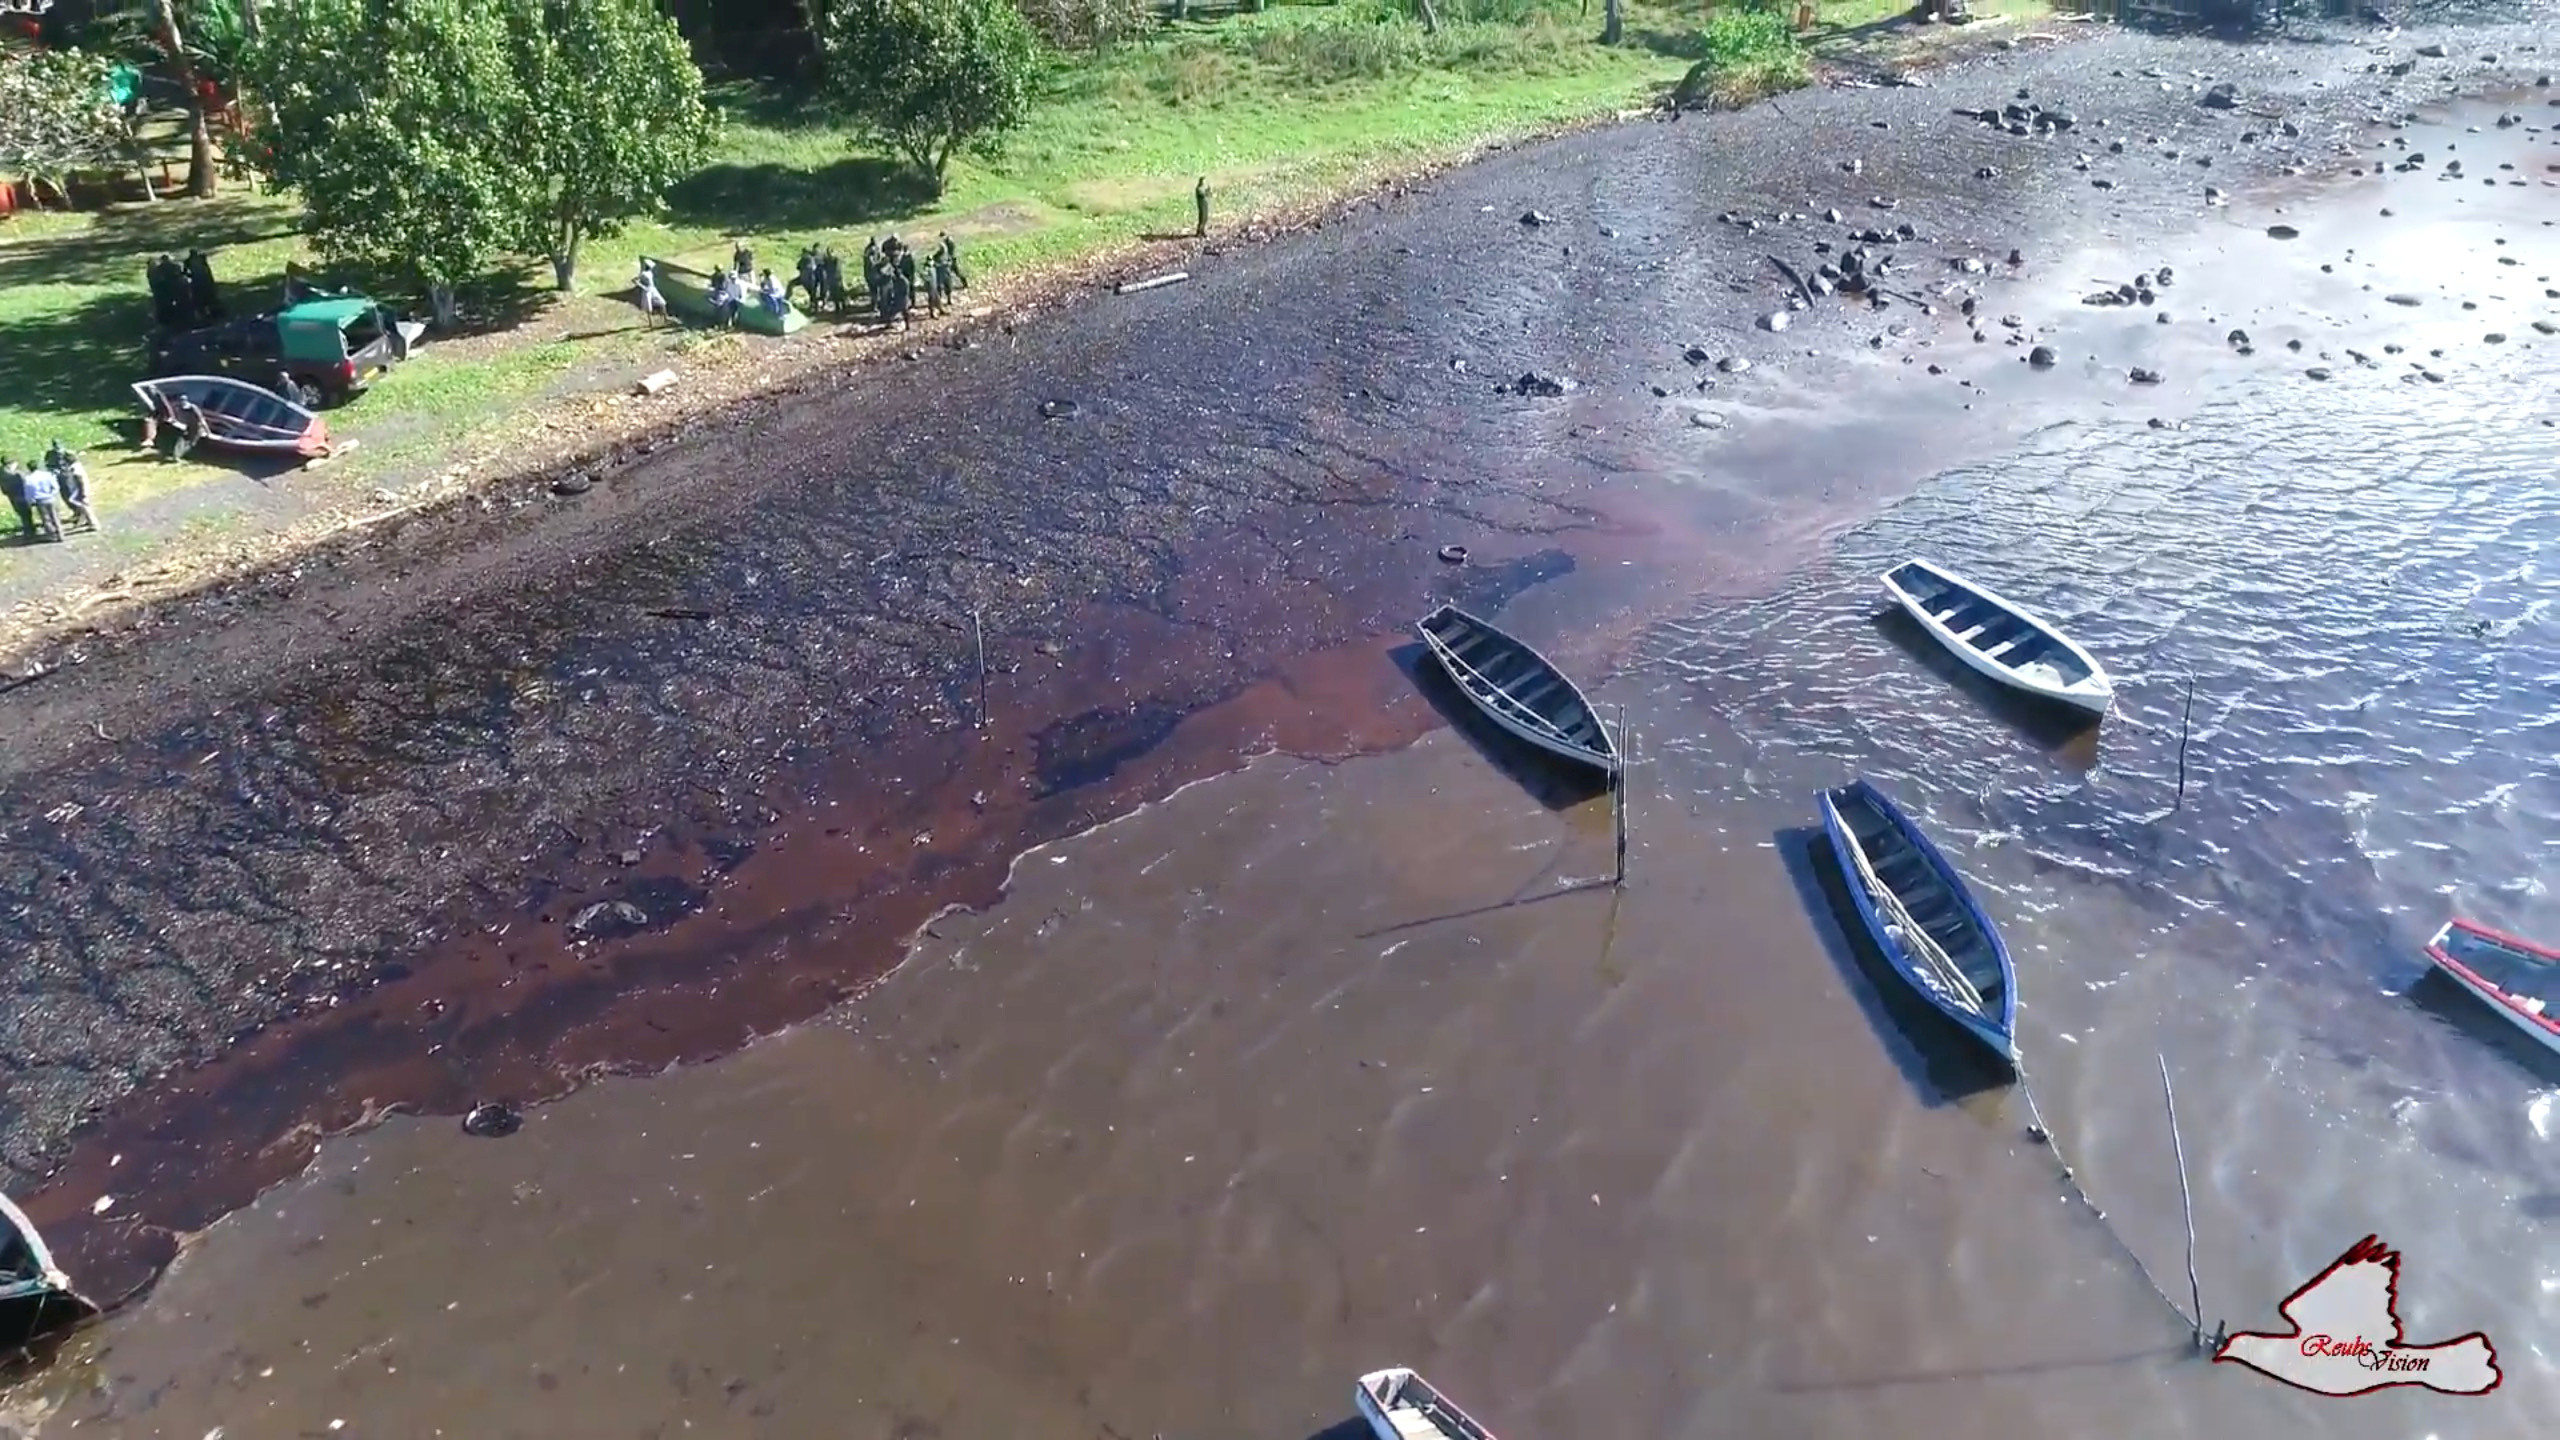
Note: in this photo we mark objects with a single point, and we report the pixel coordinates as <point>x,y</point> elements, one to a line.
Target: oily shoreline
<point>499,493</point>
<point>1356,503</point>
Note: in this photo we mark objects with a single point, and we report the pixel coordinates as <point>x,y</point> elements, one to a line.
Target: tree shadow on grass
<point>766,199</point>
<point>117,244</point>
<point>1673,44</point>
<point>76,361</point>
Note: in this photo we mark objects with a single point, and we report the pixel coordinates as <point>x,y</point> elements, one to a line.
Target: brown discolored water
<point>1277,1081</point>
<point>1305,1071</point>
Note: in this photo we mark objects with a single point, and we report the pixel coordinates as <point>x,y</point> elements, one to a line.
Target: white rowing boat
<point>1999,637</point>
<point>2517,978</point>
<point>1518,688</point>
<point>1400,1405</point>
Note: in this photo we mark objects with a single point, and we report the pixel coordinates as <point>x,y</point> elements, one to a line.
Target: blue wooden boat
<point>1922,917</point>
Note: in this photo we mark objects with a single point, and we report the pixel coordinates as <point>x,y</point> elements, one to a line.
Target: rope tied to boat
<point>2043,1134</point>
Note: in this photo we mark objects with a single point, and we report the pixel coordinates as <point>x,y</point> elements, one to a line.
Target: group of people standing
<point>183,295</point>
<point>894,278</point>
<point>40,492</point>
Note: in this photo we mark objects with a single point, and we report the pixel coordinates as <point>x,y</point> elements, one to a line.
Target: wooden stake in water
<point>978,623</point>
<point>1618,793</point>
<point>2184,720</point>
<point>2186,1198</point>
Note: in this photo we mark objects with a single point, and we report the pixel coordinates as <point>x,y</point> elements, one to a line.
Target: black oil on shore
<point>388,855</point>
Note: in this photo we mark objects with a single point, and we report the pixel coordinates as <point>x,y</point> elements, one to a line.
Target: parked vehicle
<point>331,347</point>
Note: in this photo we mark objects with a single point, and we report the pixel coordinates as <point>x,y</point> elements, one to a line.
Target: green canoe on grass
<point>688,294</point>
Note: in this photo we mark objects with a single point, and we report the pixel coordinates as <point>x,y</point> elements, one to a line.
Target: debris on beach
<point>1532,382</point>
<point>1132,287</point>
<point>1534,218</point>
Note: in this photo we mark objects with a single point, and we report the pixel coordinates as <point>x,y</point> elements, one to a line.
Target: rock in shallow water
<point>2042,357</point>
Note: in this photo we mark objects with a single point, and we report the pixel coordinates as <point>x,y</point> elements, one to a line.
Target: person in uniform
<point>948,251</point>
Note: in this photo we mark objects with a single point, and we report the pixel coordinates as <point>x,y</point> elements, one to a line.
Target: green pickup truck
<point>330,346</point>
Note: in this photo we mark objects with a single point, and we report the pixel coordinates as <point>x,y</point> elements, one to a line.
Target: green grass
<point>1275,108</point>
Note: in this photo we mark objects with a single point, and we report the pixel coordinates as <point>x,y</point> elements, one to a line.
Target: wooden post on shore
<point>2185,719</point>
<point>1618,795</point>
<point>2186,1199</point>
<point>978,623</point>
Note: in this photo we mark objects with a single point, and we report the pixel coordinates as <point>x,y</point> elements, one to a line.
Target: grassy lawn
<point>1274,108</point>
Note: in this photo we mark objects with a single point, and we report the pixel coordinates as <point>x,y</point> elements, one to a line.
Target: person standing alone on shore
<point>644,288</point>
<point>1200,206</point>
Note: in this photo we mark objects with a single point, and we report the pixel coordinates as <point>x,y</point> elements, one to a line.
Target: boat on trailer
<point>1519,689</point>
<point>1999,637</point>
<point>2519,979</point>
<point>36,1298</point>
<point>1931,930</point>
<point>238,415</point>
<point>1401,1405</point>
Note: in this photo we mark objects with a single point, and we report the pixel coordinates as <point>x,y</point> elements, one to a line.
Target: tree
<point>614,115</point>
<point>173,47</point>
<point>397,122</point>
<point>56,116</point>
<point>433,136</point>
<point>928,76</point>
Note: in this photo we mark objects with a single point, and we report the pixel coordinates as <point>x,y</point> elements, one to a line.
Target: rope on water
<point>2043,1134</point>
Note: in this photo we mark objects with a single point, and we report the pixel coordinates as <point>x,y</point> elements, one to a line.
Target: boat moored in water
<point>2517,978</point>
<point>1931,930</point>
<point>1519,689</point>
<point>36,1298</point>
<point>1999,637</point>
<point>1401,1405</point>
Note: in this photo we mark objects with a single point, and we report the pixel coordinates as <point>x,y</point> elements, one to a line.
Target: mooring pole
<point>2186,1198</point>
<point>977,623</point>
<point>1618,794</point>
<point>2184,721</point>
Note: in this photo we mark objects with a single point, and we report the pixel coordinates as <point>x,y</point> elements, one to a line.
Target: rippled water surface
<point>1314,1068</point>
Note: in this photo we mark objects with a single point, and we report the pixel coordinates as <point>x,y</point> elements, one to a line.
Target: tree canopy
<point>394,120</point>
<point>614,114</point>
<point>56,115</point>
<point>929,76</point>
<point>433,136</point>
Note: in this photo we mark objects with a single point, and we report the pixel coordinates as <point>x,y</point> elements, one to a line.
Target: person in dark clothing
<point>73,477</point>
<point>1200,206</point>
<point>906,267</point>
<point>204,298</point>
<point>190,431</point>
<point>948,251</point>
<point>13,483</point>
<point>874,269</point>
<point>831,280</point>
<point>742,259</point>
<point>168,292</point>
<point>804,276</point>
<point>291,389</point>
<point>938,280</point>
